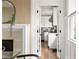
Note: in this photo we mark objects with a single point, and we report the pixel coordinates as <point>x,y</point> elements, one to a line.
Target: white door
<point>39,31</point>
<point>35,31</point>
<point>59,36</point>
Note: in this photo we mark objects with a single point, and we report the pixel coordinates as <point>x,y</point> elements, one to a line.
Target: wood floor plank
<point>47,53</point>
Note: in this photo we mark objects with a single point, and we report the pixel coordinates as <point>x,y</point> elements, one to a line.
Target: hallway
<point>47,53</point>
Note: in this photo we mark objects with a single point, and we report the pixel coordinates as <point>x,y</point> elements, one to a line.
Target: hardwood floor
<point>47,53</point>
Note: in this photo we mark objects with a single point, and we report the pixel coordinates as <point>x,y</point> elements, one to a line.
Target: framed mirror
<point>8,12</point>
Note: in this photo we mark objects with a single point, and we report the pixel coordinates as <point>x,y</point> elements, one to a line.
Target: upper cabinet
<point>71,6</point>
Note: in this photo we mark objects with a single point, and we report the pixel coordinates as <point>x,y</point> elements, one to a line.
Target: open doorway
<point>48,25</point>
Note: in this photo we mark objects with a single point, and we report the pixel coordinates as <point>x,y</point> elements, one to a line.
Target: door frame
<point>34,10</point>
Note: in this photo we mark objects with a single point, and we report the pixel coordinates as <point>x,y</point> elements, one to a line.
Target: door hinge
<point>60,31</point>
<point>37,11</point>
<point>60,51</point>
<point>37,31</point>
<point>60,11</point>
<point>56,34</point>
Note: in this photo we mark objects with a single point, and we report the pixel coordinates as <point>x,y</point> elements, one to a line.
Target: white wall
<point>69,45</point>
<point>45,22</point>
<point>71,4</point>
<point>70,50</point>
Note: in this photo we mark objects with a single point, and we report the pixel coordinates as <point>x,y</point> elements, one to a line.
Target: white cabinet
<point>52,40</point>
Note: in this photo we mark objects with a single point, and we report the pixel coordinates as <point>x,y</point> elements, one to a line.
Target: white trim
<point>16,26</point>
<point>25,34</point>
